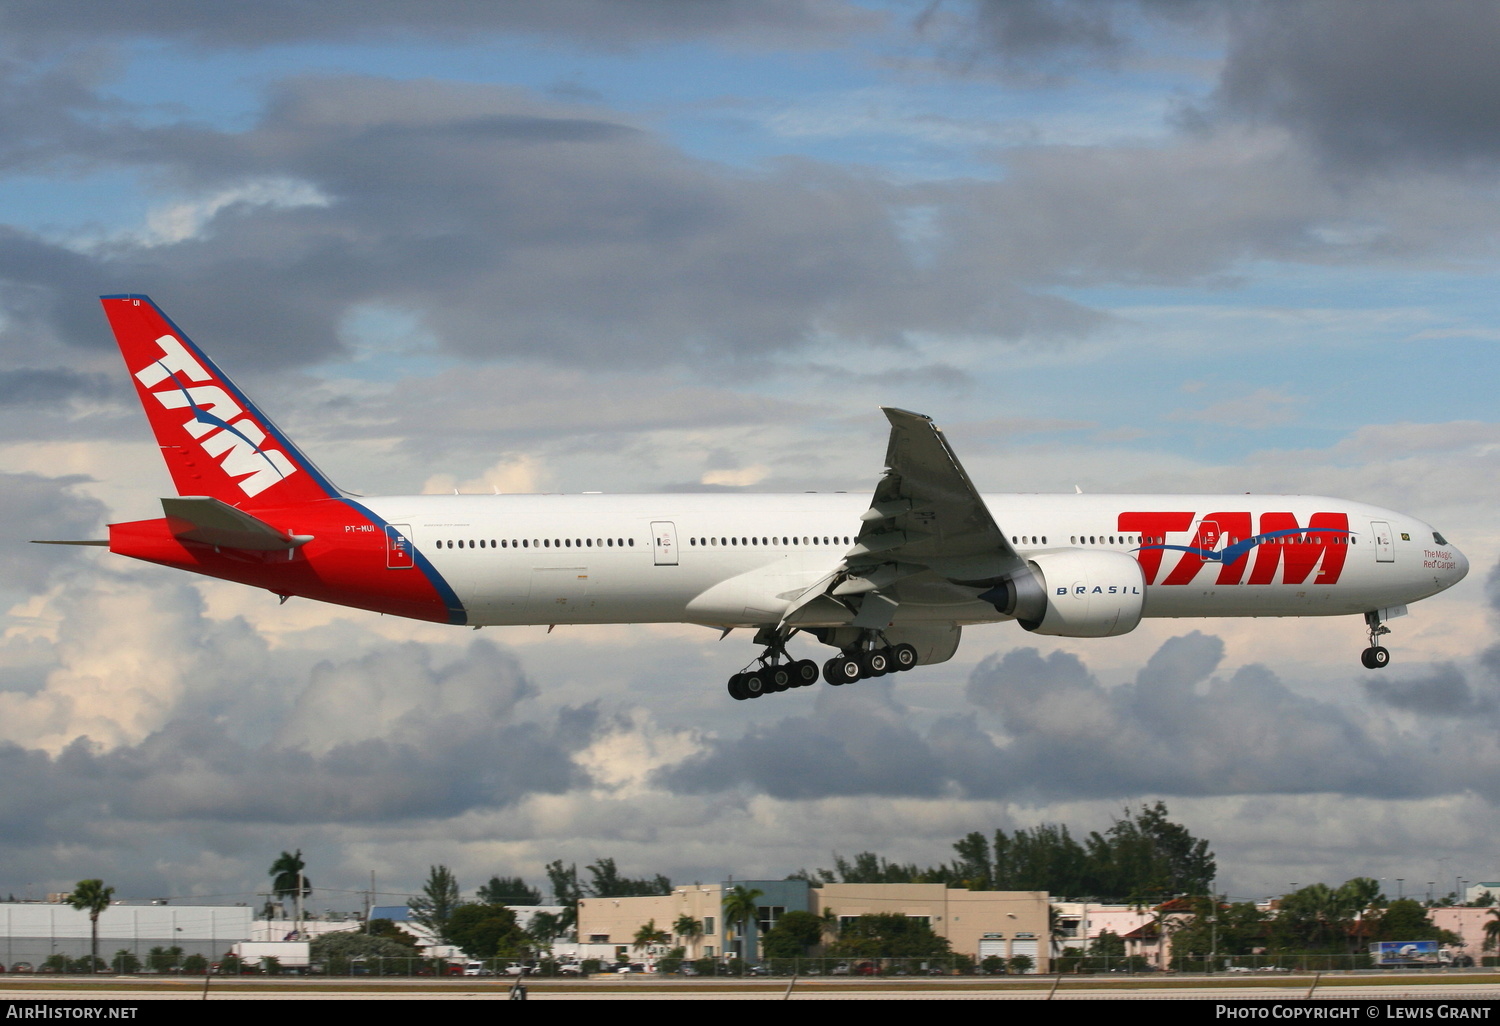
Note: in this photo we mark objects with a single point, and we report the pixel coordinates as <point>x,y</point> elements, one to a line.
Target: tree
<point>161,960</point>
<point>1043,858</point>
<point>1108,945</point>
<point>1407,920</point>
<point>565,892</point>
<point>544,929</point>
<point>1216,928</point>
<point>437,902</point>
<point>888,935</point>
<point>1492,930</point>
<point>650,934</point>
<point>794,933</point>
<point>336,950</point>
<point>868,867</point>
<point>688,928</point>
<point>508,890</point>
<point>974,868</point>
<point>1146,855</point>
<point>740,909</point>
<point>486,931</point>
<point>287,877</point>
<point>92,896</point>
<point>386,929</point>
<point>125,963</point>
<point>608,883</point>
<point>1312,918</point>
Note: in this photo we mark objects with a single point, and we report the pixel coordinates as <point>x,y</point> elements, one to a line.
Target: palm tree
<point>287,878</point>
<point>1056,931</point>
<point>740,909</point>
<point>688,928</point>
<point>92,896</point>
<point>648,935</point>
<point>1492,931</point>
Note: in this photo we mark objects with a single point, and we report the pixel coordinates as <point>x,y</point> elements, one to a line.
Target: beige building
<point>977,923</point>
<point>606,925</point>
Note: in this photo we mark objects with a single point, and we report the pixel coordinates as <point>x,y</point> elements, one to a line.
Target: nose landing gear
<point>1376,656</point>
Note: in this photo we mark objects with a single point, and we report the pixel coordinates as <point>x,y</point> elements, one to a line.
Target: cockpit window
<point>1439,538</point>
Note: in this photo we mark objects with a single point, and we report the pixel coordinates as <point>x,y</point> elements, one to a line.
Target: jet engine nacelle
<point>1076,593</point>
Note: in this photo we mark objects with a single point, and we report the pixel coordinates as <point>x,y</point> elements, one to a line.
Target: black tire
<point>780,678</point>
<point>903,657</point>
<point>755,683</point>
<point>737,687</point>
<point>1380,657</point>
<point>842,670</point>
<point>874,663</point>
<point>804,673</point>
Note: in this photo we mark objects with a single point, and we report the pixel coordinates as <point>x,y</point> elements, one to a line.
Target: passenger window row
<point>786,540</point>
<point>541,543</point>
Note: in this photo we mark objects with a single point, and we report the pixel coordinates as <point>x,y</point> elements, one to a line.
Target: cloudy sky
<point>635,245</point>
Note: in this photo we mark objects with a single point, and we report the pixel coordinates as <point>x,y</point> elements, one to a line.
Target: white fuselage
<point>738,560</point>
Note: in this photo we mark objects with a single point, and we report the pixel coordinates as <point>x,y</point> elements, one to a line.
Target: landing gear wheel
<point>804,673</point>
<point>903,657</point>
<point>1376,657</point>
<point>737,687</point>
<point>841,670</point>
<point>754,684</point>
<point>780,678</point>
<point>875,663</point>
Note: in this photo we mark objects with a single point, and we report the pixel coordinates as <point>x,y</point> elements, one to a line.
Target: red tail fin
<point>216,443</point>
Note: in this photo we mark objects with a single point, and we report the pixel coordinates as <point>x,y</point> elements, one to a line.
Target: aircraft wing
<point>925,518</point>
<point>927,512</point>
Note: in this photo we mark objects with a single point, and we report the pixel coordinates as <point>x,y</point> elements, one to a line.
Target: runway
<point>1329,988</point>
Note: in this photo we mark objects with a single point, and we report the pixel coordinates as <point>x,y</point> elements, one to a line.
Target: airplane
<point>888,580</point>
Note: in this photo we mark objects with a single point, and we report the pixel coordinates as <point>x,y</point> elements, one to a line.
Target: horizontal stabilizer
<point>203,519</point>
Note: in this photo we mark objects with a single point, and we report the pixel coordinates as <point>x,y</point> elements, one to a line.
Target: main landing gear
<point>870,657</point>
<point>777,670</point>
<point>1376,656</point>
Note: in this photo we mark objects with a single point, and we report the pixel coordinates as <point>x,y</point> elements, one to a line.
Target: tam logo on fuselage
<point>1227,540</point>
<point>234,443</point>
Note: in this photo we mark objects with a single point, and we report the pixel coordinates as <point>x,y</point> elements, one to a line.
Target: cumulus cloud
<point>506,226</point>
<point>398,694</point>
<point>1390,84</point>
<point>49,509</point>
<point>1040,41</point>
<point>137,728</point>
<point>1049,730</point>
<point>855,745</point>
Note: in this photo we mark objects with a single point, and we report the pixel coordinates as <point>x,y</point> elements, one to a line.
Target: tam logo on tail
<point>215,441</point>
<point>236,444</point>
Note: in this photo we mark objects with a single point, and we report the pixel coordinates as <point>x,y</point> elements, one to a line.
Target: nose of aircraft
<point>1445,560</point>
